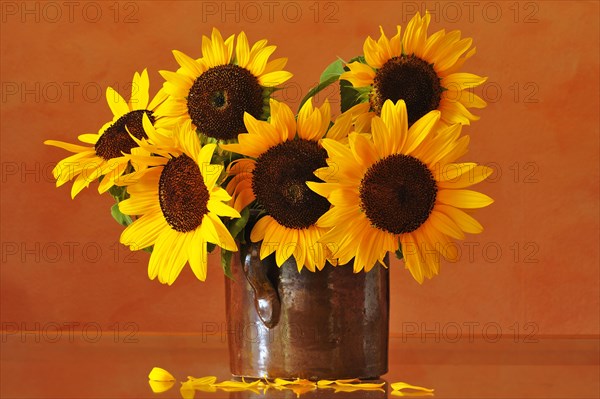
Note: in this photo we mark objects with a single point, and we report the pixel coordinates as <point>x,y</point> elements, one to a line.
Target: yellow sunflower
<point>422,70</point>
<point>105,156</point>
<point>284,155</point>
<point>179,203</point>
<point>400,190</point>
<point>216,90</point>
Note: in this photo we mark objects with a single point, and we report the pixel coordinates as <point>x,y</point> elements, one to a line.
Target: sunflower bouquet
<point>214,160</point>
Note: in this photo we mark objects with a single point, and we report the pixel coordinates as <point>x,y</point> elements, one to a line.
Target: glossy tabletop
<point>116,365</point>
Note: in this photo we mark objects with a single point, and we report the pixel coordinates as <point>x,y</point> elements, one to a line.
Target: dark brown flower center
<point>182,194</point>
<point>115,140</point>
<point>279,183</point>
<point>220,96</point>
<point>411,79</point>
<point>398,193</point>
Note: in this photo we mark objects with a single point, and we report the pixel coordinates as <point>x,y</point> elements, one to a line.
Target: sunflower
<point>105,156</point>
<point>216,90</point>
<point>402,190</point>
<point>285,156</point>
<point>179,203</point>
<point>422,70</point>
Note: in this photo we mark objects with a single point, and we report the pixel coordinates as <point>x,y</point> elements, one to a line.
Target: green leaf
<point>359,58</point>
<point>348,94</point>
<point>118,192</point>
<point>148,249</point>
<point>399,253</point>
<point>330,75</point>
<point>226,262</point>
<point>121,218</point>
<point>333,70</point>
<point>237,225</point>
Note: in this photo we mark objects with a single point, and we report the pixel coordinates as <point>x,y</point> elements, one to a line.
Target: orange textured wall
<point>534,270</point>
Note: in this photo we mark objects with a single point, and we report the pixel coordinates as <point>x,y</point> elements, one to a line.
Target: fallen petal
<point>397,386</point>
<point>202,381</point>
<point>158,374</point>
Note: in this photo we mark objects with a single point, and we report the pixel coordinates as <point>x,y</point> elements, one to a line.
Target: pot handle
<point>266,299</point>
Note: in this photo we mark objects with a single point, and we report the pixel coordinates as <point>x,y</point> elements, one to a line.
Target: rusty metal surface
<point>326,325</point>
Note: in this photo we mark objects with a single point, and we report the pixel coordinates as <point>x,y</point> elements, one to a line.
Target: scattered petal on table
<point>158,374</point>
<point>323,383</point>
<point>238,384</point>
<point>202,381</point>
<point>364,385</point>
<point>398,386</point>
<point>281,382</point>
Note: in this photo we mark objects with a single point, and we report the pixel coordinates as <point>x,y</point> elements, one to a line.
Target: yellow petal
<point>469,178</point>
<point>258,63</point>
<point>117,105</point>
<point>89,138</point>
<point>160,374</point>
<point>382,137</point>
<point>462,80</point>
<point>221,209</point>
<point>143,232</point>
<point>398,386</point>
<point>275,78</point>
<point>276,65</point>
<point>187,62</point>
<point>202,380</point>
<point>223,236</point>
<point>463,220</point>
<point>420,130</point>
<point>464,198</point>
<point>242,50</point>
<point>198,255</point>
<point>360,75</point>
<point>283,119</point>
<point>139,91</point>
<point>372,53</point>
<point>69,147</point>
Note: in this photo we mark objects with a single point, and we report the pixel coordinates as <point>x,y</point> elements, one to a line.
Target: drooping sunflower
<point>422,70</point>
<point>179,203</point>
<point>105,156</point>
<point>216,90</point>
<point>284,154</point>
<point>402,190</point>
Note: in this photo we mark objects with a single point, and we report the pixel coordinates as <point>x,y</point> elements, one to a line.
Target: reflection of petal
<point>187,390</point>
<point>411,394</point>
<point>398,386</point>
<point>302,389</point>
<point>160,386</point>
<point>281,382</point>
<point>361,385</point>
<point>196,382</point>
<point>323,383</point>
<point>343,388</point>
<point>237,385</point>
<point>158,374</point>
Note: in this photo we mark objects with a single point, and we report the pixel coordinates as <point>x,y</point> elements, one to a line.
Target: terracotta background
<point>61,261</point>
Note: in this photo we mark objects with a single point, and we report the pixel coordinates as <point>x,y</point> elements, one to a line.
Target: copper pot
<point>331,324</point>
